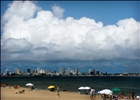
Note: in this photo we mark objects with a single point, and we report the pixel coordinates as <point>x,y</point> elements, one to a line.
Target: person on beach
<point>92,94</point>
<point>133,94</point>
<point>122,94</point>
<point>57,90</point>
<point>32,88</point>
<point>9,87</point>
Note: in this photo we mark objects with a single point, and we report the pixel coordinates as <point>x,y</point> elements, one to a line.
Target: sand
<point>10,94</point>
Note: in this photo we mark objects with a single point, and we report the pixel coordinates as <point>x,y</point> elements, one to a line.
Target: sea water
<point>125,83</point>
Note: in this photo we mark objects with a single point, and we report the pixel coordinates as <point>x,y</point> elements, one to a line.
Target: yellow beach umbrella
<point>51,86</point>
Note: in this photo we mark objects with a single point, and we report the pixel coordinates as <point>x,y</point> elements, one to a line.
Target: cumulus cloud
<point>20,9</point>
<point>57,11</point>
<point>47,36</point>
<point>16,45</point>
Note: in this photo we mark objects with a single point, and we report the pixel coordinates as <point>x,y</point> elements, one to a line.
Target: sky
<point>70,30</point>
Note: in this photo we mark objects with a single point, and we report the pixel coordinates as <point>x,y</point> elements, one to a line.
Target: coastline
<point>10,93</point>
<point>73,83</point>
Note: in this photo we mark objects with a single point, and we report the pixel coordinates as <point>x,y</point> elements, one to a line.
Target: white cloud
<point>57,11</point>
<point>16,45</point>
<point>23,10</point>
<point>47,37</point>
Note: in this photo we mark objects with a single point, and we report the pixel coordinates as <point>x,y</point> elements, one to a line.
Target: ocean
<point>125,83</point>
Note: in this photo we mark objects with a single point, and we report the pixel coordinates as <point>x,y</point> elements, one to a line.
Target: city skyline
<point>106,33</point>
<point>61,72</point>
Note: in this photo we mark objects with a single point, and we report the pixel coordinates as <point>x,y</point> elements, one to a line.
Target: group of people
<point>132,95</point>
<point>93,95</point>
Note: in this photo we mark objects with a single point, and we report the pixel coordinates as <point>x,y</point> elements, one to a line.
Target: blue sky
<point>108,12</point>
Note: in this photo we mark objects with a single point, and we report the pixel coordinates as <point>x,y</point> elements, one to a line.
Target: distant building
<point>76,71</point>
<point>62,71</point>
<point>28,71</point>
<point>16,70</point>
<point>97,72</point>
<point>38,70</point>
<point>34,72</point>
<point>91,72</point>
<point>42,71</point>
<point>69,71</point>
<point>23,72</point>
<point>7,72</point>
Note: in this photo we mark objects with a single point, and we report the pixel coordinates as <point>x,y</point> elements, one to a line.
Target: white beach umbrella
<point>29,84</point>
<point>81,88</point>
<point>105,91</point>
<point>87,88</point>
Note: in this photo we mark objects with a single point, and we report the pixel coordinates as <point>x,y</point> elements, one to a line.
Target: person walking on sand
<point>92,94</point>
<point>133,94</point>
<point>57,90</point>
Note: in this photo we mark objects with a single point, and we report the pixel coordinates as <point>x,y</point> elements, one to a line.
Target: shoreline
<point>72,84</point>
<point>10,93</point>
<point>13,94</point>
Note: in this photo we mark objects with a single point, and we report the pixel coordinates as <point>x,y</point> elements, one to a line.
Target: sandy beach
<point>9,94</point>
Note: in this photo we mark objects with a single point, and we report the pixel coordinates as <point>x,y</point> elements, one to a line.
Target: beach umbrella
<point>115,89</point>
<point>29,84</point>
<point>105,91</point>
<point>81,88</point>
<point>51,87</point>
<point>87,88</point>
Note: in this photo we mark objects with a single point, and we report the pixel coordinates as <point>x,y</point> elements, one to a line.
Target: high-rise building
<point>7,72</point>
<point>33,71</point>
<point>38,70</point>
<point>28,71</point>
<point>97,72</point>
<point>23,72</point>
<point>16,70</point>
<point>42,71</point>
<point>76,71</point>
<point>91,72</point>
<point>62,71</point>
<point>69,71</point>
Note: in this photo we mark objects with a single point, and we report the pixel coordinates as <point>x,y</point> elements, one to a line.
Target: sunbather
<point>22,91</point>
